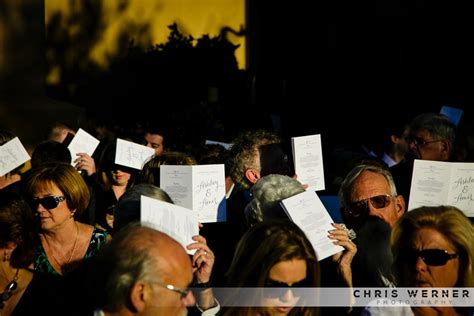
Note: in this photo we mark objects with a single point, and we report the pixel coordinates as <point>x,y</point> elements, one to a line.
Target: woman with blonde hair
<point>433,247</point>
<point>443,238</point>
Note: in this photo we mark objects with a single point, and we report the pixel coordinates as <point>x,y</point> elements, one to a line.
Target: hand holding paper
<point>307,154</point>
<point>176,221</point>
<point>12,155</point>
<point>307,211</point>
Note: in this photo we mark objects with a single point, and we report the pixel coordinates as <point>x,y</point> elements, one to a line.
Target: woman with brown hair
<point>274,255</point>
<point>24,291</point>
<point>113,180</point>
<point>58,193</point>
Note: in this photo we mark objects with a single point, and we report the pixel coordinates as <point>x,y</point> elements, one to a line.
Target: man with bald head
<point>144,272</point>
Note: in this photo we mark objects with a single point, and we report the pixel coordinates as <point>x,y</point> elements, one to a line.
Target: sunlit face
<point>428,148</point>
<point>154,141</point>
<point>370,184</point>
<point>61,134</point>
<point>54,218</point>
<point>253,174</point>
<point>287,272</point>
<point>166,302</point>
<point>423,275</point>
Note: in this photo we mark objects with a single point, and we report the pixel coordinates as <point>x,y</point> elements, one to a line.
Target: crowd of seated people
<point>72,225</point>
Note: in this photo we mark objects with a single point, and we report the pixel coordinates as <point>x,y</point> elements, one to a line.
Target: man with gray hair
<point>432,137</point>
<point>371,206</point>
<point>369,190</point>
<point>144,272</point>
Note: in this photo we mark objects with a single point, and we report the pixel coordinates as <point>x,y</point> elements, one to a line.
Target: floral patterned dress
<point>41,264</point>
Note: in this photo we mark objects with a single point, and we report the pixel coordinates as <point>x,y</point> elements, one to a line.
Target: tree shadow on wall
<point>185,79</point>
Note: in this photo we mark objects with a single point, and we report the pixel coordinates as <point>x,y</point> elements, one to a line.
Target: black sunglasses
<point>275,289</point>
<point>361,207</point>
<point>432,257</point>
<point>48,202</point>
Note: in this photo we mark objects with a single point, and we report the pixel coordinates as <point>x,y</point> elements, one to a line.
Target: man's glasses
<point>432,257</point>
<point>419,142</point>
<point>361,207</point>
<point>183,293</point>
<point>275,289</point>
<point>48,202</point>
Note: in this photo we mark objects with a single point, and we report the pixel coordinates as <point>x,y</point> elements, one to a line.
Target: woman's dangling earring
<point>6,256</point>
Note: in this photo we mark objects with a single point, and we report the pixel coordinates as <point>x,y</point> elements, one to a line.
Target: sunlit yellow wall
<point>194,17</point>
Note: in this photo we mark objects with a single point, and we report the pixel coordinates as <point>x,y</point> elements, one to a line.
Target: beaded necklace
<point>8,292</point>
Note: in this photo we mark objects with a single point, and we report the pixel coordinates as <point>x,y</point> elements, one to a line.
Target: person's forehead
<point>428,237</point>
<point>421,132</point>
<point>47,185</point>
<point>175,263</point>
<point>154,136</point>
<point>369,181</point>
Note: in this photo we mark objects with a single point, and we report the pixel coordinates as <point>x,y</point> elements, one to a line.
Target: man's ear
<point>400,205</point>
<point>252,175</point>
<point>394,139</point>
<point>138,297</point>
<point>446,148</point>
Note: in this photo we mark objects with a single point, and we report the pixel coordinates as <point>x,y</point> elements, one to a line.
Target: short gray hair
<point>351,177</point>
<point>267,193</point>
<point>127,259</point>
<point>436,124</point>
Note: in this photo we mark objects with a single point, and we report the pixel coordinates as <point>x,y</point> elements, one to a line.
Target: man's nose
<point>374,211</point>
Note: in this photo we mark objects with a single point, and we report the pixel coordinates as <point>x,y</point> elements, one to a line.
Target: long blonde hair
<point>447,220</point>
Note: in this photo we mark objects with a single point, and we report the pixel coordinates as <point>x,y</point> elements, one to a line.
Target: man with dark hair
<point>253,155</point>
<point>58,132</point>
<point>396,144</point>
<point>154,138</point>
<point>50,151</point>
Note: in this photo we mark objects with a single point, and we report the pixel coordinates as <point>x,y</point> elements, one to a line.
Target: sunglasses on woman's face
<point>361,207</point>
<point>431,257</point>
<point>276,289</point>
<point>48,202</point>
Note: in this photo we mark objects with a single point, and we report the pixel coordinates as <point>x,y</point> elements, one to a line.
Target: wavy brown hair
<point>66,178</point>
<point>17,225</point>
<point>263,246</point>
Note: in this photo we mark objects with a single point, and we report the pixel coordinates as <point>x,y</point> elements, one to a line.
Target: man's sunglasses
<point>432,257</point>
<point>361,207</point>
<point>275,289</point>
<point>48,202</point>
